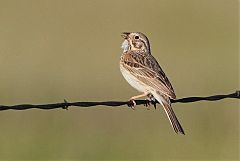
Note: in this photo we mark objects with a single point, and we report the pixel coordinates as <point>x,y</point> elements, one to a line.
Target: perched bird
<point>142,71</point>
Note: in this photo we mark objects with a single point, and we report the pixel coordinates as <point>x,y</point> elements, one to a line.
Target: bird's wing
<point>146,69</point>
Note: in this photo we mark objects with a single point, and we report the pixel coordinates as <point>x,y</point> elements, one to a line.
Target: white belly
<point>134,82</point>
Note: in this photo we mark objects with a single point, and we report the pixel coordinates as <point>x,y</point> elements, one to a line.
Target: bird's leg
<point>133,103</point>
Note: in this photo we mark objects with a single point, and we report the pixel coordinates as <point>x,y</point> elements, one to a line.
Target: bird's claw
<point>152,101</point>
<point>147,104</point>
<point>154,104</point>
<point>132,104</point>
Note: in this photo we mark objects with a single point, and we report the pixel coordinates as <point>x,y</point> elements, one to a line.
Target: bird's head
<point>135,41</point>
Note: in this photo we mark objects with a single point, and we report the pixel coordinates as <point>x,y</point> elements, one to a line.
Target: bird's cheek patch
<point>137,45</point>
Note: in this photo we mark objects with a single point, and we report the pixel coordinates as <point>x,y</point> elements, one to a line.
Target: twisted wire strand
<point>66,104</point>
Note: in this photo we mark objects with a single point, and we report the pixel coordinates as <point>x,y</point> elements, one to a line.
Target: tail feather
<point>165,102</point>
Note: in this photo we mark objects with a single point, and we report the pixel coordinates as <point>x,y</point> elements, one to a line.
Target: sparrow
<point>142,72</point>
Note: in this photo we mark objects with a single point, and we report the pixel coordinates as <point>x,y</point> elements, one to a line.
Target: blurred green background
<point>52,50</point>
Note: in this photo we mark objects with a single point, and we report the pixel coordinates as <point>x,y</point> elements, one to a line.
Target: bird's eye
<point>136,37</point>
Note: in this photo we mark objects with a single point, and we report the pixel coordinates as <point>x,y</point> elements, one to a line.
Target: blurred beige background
<point>52,50</point>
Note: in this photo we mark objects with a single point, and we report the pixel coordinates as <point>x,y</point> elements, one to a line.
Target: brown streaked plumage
<point>143,72</point>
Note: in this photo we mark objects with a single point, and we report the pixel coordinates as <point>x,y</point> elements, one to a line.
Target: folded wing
<point>147,70</point>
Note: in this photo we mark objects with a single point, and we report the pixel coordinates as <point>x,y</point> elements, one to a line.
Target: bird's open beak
<point>125,35</point>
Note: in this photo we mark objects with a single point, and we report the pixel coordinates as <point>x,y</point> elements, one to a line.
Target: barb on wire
<point>66,104</point>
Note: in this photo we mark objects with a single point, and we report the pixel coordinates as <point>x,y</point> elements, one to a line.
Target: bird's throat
<point>125,46</point>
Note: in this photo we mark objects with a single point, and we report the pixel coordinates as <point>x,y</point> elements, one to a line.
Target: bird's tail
<point>165,102</point>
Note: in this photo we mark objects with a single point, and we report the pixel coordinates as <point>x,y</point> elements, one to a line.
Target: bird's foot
<point>132,104</point>
<point>147,103</point>
<point>152,100</point>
